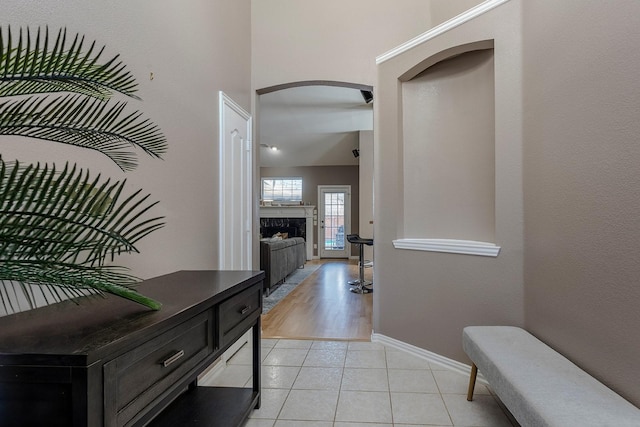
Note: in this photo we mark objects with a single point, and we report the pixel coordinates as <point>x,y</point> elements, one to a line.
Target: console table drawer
<point>238,311</point>
<point>138,378</point>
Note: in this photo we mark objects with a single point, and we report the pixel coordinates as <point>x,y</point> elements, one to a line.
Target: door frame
<point>226,106</point>
<point>347,219</point>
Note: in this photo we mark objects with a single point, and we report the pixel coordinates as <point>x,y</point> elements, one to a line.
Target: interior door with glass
<point>334,221</point>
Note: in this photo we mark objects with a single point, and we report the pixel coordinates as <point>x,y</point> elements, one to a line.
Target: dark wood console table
<point>110,362</point>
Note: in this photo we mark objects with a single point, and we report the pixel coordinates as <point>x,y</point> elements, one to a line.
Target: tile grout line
<point>293,383</point>
<point>442,397</point>
<point>288,391</point>
<point>350,349</point>
<point>344,365</point>
<point>386,365</point>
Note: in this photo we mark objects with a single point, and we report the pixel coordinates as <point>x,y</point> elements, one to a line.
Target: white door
<point>334,221</point>
<point>235,187</point>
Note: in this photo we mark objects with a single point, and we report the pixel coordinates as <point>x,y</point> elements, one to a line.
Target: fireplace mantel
<point>287,211</point>
<point>293,212</point>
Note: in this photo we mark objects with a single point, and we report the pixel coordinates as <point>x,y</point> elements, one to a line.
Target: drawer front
<point>237,312</point>
<point>136,379</point>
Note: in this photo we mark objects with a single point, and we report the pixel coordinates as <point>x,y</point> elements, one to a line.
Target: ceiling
<point>312,126</point>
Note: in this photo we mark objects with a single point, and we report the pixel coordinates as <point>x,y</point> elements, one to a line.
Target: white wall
<point>366,189</point>
<point>194,49</point>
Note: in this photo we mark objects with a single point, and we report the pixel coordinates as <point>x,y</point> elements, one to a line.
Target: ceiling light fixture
<point>270,147</point>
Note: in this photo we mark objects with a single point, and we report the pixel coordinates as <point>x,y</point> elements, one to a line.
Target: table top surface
<point>97,324</point>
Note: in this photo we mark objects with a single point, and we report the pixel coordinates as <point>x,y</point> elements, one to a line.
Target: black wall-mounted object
<point>367,95</point>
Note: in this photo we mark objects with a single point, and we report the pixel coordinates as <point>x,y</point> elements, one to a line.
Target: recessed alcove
<point>448,150</point>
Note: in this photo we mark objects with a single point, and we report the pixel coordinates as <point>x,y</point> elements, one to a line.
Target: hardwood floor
<point>322,307</point>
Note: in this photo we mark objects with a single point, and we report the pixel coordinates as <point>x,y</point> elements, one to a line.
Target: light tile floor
<point>357,384</point>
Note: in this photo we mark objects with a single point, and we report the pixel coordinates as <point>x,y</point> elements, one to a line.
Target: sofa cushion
<point>284,243</point>
<point>279,258</point>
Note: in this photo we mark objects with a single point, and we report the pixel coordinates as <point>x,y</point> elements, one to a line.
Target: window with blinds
<point>282,189</point>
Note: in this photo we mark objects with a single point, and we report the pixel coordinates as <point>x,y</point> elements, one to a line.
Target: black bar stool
<point>360,285</point>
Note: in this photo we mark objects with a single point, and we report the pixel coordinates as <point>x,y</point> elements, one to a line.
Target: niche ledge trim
<point>465,247</point>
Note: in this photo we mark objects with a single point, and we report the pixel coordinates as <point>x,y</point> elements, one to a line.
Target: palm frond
<point>59,281</point>
<point>29,66</point>
<point>84,122</point>
<point>58,228</point>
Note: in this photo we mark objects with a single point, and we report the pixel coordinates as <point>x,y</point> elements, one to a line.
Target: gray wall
<point>443,10</point>
<point>336,40</point>
<point>448,169</point>
<point>194,49</point>
<point>581,181</point>
<point>312,176</point>
<point>426,298</point>
<point>330,40</point>
<point>567,103</point>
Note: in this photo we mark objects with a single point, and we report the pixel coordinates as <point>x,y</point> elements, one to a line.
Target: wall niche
<point>448,134</point>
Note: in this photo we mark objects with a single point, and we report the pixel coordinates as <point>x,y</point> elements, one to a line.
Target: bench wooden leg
<point>472,382</point>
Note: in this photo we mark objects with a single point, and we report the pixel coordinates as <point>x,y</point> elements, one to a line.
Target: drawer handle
<point>173,358</point>
<point>245,310</point>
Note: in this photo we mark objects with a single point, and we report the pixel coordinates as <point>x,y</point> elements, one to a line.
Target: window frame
<point>282,199</point>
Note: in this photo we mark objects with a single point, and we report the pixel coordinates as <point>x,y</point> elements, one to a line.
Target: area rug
<point>292,280</point>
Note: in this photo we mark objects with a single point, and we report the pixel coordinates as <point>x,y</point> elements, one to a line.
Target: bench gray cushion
<point>540,386</point>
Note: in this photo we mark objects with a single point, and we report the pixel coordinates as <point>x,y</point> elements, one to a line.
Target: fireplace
<point>289,219</point>
<point>294,227</point>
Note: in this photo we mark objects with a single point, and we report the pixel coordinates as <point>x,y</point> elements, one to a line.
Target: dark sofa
<point>279,258</point>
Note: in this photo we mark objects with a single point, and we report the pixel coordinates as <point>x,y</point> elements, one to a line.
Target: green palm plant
<point>58,229</point>
<point>86,119</point>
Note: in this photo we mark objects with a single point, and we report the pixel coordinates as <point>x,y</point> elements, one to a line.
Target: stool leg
<point>361,259</point>
<point>360,280</point>
<point>360,283</point>
<point>472,382</point>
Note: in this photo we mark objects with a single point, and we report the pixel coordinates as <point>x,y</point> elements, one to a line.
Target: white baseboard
<point>212,371</point>
<point>431,357</point>
<point>221,362</point>
<point>427,355</point>
<point>246,338</point>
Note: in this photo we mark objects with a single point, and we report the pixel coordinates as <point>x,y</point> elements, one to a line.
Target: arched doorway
<point>322,132</point>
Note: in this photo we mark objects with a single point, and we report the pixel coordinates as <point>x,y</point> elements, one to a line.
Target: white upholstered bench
<point>539,386</point>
